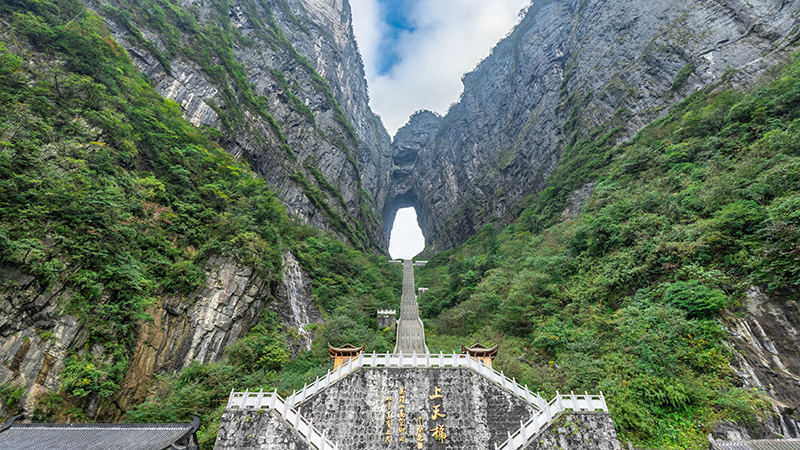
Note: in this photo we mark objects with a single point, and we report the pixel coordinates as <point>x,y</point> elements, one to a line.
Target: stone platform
<point>370,408</point>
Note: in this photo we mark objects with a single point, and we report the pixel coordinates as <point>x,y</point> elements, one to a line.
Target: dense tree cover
<point>627,298</point>
<point>107,194</point>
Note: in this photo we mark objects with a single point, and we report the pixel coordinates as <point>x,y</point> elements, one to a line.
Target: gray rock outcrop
<point>38,335</point>
<point>765,337</point>
<point>314,140</point>
<point>569,66</point>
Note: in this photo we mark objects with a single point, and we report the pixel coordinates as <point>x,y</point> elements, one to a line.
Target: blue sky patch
<point>396,14</point>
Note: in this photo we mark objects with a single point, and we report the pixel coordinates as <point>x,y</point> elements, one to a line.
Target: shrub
<point>697,300</point>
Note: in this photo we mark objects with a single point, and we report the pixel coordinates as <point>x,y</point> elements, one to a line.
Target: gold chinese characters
<point>438,431</point>
<point>401,415</point>
<point>388,438</point>
<point>420,433</point>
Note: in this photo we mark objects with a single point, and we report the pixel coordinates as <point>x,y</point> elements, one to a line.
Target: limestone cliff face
<point>319,31</point>
<point>765,339</point>
<point>566,68</point>
<point>196,328</point>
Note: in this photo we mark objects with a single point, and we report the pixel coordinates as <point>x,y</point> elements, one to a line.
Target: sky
<point>406,239</point>
<point>415,53</point>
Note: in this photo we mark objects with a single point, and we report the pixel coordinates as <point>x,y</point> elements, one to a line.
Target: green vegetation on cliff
<point>627,297</point>
<point>109,197</point>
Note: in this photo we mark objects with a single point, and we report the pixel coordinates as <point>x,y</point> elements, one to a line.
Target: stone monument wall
<point>470,411</point>
<point>577,431</point>
<point>262,429</point>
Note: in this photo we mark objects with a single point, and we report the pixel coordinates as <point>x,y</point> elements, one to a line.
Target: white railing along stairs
<point>271,400</point>
<point>416,360</point>
<point>544,411</point>
<point>545,415</point>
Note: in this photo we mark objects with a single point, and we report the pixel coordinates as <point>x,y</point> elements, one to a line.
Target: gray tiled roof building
<point>761,444</point>
<point>99,436</point>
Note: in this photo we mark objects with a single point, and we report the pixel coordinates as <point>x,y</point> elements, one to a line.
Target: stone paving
<point>410,331</point>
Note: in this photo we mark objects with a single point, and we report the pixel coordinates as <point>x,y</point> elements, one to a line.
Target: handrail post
<point>574,401</point>
<point>274,398</point>
<point>244,399</point>
<point>588,401</point>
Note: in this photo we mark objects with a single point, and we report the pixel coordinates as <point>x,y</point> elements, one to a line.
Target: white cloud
<point>368,28</point>
<point>450,38</point>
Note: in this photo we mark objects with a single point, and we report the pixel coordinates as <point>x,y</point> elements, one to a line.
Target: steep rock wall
<point>37,334</point>
<point>320,32</point>
<point>764,334</point>
<point>568,67</point>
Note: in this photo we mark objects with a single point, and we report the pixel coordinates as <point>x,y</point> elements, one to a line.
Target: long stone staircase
<point>410,330</point>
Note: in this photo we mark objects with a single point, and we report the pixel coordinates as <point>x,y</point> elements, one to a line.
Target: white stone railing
<point>560,403</point>
<point>271,400</point>
<point>414,360</point>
